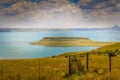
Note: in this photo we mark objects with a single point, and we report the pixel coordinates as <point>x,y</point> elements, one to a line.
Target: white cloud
<point>51,14</point>
<point>58,14</point>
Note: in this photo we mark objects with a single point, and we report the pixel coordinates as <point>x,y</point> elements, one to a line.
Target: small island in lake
<point>63,41</point>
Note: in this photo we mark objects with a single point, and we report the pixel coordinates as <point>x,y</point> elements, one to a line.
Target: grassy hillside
<point>56,67</point>
<point>102,50</point>
<point>113,48</point>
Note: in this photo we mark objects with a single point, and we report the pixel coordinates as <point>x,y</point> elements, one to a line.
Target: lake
<point>15,45</point>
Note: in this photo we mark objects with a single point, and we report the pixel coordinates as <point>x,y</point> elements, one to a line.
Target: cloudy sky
<point>59,13</point>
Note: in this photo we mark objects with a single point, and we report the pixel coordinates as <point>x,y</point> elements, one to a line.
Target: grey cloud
<point>53,12</point>
<point>61,6</point>
<point>100,6</point>
<point>84,2</point>
<point>6,1</point>
<point>20,7</point>
<point>105,8</point>
<point>59,13</point>
<point>118,5</point>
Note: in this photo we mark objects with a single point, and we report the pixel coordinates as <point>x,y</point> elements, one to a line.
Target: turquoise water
<point>15,45</point>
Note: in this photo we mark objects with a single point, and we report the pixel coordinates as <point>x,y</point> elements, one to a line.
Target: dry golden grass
<point>34,69</point>
<point>56,68</point>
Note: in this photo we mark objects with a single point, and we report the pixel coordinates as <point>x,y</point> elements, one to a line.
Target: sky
<point>59,13</point>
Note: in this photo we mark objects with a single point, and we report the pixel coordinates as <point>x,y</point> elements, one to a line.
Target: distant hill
<point>66,41</point>
<point>116,27</point>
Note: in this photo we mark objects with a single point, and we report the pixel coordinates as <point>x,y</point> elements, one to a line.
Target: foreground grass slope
<point>33,69</point>
<point>56,67</point>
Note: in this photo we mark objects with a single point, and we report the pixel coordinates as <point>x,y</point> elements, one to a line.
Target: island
<point>65,41</point>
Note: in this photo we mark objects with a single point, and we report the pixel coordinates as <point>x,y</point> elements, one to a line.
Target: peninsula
<point>63,41</point>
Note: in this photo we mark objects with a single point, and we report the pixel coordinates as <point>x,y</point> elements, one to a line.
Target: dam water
<point>15,45</point>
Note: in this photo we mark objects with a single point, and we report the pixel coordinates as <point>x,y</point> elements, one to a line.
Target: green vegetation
<point>56,67</point>
<point>68,41</point>
<point>113,49</point>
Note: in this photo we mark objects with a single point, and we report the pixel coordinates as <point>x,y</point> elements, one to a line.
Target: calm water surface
<point>15,45</point>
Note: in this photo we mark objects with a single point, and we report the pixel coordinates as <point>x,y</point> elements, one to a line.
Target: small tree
<point>114,52</point>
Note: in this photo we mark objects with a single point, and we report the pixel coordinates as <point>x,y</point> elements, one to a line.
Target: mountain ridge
<point>115,27</point>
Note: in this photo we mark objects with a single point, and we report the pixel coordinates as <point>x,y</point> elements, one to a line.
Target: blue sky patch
<point>8,4</point>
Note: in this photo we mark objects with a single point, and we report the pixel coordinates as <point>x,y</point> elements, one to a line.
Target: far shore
<point>69,42</point>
